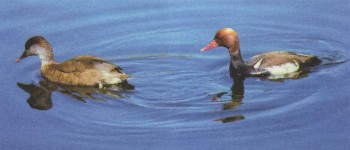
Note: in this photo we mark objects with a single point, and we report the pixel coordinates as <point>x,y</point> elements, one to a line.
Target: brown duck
<point>81,70</point>
<point>270,63</point>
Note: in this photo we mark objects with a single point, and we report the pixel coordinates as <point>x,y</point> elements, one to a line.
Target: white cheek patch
<point>41,52</point>
<point>284,68</point>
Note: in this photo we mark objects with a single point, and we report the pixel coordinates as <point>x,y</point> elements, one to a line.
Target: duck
<point>84,70</point>
<point>278,64</point>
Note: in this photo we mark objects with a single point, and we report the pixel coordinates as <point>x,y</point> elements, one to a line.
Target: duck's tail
<point>123,76</point>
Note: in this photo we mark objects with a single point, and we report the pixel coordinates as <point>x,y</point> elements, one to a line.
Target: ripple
<point>191,83</point>
<point>159,71</point>
<point>182,95</point>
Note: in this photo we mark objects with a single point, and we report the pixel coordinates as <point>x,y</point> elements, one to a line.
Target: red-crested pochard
<point>270,63</point>
<point>81,70</point>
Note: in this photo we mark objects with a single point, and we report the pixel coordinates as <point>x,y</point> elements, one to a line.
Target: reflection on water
<point>170,108</point>
<point>231,119</point>
<point>237,92</point>
<point>39,98</point>
<point>237,95</point>
<point>237,89</point>
<point>40,95</point>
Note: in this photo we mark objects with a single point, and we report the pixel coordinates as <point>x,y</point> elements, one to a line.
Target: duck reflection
<point>40,95</point>
<point>237,92</point>
<point>231,119</point>
<point>237,95</point>
<point>39,98</point>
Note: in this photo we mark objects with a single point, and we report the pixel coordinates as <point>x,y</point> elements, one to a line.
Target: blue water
<point>182,98</point>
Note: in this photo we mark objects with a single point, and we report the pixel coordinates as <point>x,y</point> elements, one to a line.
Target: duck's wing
<point>277,58</point>
<point>84,70</point>
<point>86,62</point>
<point>270,59</point>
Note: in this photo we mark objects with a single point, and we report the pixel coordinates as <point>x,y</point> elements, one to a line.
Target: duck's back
<point>84,71</point>
<point>283,62</point>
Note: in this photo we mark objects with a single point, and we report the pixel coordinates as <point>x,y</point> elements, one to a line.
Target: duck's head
<point>37,45</point>
<point>225,37</point>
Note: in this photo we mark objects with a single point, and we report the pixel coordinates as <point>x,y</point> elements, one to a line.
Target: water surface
<point>183,99</point>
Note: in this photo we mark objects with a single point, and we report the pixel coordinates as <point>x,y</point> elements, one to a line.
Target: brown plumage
<point>81,70</point>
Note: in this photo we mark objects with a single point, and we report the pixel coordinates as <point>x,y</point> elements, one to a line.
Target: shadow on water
<point>40,95</point>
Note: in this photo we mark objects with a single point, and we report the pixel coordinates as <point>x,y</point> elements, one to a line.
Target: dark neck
<point>237,65</point>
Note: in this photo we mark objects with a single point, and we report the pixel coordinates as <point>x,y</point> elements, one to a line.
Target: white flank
<point>284,68</point>
<point>257,65</point>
